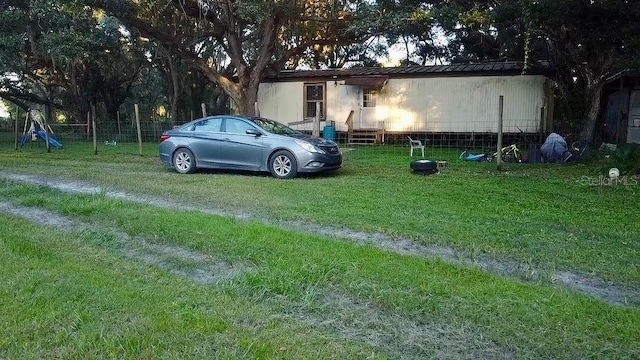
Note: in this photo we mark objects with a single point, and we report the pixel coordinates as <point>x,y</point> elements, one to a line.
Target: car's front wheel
<point>283,165</point>
<point>183,161</point>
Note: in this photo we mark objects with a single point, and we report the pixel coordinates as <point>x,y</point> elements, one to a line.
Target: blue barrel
<point>329,132</point>
<point>534,155</point>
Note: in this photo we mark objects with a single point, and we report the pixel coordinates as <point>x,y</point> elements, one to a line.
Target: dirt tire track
<point>201,269</point>
<point>596,287</point>
<point>351,318</point>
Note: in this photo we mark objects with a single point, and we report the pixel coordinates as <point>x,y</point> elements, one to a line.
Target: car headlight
<point>309,147</point>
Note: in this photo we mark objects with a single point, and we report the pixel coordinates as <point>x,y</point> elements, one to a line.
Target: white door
<point>367,118</point>
<point>633,131</point>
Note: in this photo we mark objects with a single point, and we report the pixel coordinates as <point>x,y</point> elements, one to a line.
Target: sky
<point>3,111</point>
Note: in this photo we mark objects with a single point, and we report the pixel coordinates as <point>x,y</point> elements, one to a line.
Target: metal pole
<point>204,109</point>
<point>500,120</point>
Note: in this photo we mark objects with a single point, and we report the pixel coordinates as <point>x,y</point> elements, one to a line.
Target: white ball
<point>614,172</point>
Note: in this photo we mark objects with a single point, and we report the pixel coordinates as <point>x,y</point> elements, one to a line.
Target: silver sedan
<point>247,143</point>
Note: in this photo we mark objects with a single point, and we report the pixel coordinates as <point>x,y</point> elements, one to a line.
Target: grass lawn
<point>119,278</point>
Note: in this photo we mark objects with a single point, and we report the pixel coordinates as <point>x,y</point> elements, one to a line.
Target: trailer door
<point>633,131</point>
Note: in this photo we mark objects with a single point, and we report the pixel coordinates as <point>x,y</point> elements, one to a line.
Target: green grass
<point>71,295</point>
<point>90,293</point>
<point>64,297</point>
<point>538,213</point>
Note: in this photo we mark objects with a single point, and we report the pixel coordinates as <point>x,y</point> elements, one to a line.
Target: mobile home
<point>458,98</point>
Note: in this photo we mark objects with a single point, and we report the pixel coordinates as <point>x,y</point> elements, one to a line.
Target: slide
<point>53,142</point>
<point>24,140</point>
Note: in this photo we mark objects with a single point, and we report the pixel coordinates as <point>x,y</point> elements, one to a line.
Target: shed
<point>621,94</point>
<point>456,98</point>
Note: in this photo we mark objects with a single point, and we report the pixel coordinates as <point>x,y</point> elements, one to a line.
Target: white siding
<point>283,101</point>
<point>341,99</point>
<point>437,104</point>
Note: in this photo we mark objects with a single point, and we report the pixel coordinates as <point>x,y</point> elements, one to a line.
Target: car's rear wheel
<point>183,161</point>
<point>283,165</point>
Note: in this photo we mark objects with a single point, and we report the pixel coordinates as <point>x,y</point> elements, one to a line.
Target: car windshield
<point>273,126</point>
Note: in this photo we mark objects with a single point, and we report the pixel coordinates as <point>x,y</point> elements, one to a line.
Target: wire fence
<point>18,130</point>
<point>480,136</point>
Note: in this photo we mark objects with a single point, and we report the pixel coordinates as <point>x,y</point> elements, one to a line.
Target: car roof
<point>240,117</point>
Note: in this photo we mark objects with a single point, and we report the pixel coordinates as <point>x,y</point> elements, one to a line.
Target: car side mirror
<point>253,132</point>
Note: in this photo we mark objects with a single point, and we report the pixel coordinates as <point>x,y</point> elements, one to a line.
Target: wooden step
<point>365,136</point>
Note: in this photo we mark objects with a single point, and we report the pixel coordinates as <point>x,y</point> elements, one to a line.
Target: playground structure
<point>35,129</point>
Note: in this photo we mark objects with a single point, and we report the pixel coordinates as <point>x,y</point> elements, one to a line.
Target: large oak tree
<point>580,43</point>
<point>256,36</point>
<point>61,54</point>
<point>587,42</point>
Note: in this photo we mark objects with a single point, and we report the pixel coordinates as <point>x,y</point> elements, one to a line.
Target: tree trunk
<point>251,98</point>
<point>175,97</point>
<point>221,106</point>
<point>236,92</point>
<point>175,88</point>
<point>242,104</point>
<point>595,93</point>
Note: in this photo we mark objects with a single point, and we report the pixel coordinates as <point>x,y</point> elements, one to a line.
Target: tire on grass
<point>424,167</point>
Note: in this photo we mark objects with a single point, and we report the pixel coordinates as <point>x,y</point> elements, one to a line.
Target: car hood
<point>314,140</point>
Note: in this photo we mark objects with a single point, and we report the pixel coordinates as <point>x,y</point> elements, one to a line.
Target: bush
<point>627,158</point>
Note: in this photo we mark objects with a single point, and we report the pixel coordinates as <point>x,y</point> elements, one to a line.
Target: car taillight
<point>164,137</point>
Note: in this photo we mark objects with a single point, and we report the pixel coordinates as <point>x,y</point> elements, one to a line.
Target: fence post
<point>500,121</point>
<point>316,124</point>
<point>119,129</point>
<point>204,109</point>
<point>138,128</point>
<point>15,126</point>
<point>93,126</point>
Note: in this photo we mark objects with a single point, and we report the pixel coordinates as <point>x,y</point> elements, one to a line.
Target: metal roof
<point>488,68</point>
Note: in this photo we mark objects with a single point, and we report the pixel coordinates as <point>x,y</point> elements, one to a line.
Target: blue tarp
<point>467,156</point>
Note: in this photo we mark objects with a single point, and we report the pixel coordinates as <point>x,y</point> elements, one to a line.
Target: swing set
<point>36,129</point>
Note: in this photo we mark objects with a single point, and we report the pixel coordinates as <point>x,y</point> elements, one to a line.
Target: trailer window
<point>314,101</point>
